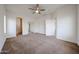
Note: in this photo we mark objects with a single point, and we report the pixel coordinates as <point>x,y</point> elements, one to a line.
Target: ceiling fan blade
<point>31,8</point>
<point>33,12</point>
<point>39,12</point>
<point>42,9</point>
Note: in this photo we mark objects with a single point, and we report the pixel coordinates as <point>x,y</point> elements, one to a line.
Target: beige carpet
<point>35,43</point>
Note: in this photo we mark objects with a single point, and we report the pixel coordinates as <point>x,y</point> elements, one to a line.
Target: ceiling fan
<point>37,9</point>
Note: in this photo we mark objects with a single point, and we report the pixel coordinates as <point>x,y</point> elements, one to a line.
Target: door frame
<point>21,30</point>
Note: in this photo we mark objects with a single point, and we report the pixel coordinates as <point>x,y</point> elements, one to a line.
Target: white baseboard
<point>2,41</point>
<point>9,36</point>
<point>66,40</point>
<point>25,33</point>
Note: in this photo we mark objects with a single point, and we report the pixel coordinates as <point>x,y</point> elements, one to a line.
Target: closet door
<point>50,27</point>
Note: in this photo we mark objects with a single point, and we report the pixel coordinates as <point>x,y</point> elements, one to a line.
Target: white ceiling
<point>23,8</point>
<point>23,11</point>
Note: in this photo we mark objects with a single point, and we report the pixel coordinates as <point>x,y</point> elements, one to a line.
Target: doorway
<point>18,26</point>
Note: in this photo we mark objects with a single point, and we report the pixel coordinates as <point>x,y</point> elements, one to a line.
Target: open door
<point>18,26</point>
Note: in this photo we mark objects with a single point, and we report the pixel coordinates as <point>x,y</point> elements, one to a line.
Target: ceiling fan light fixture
<point>37,11</point>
